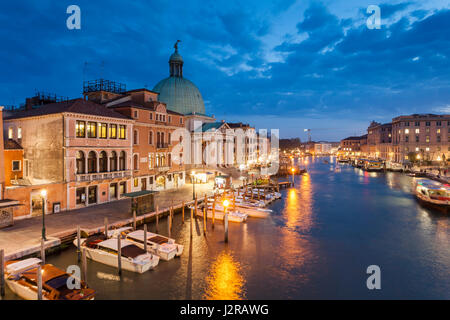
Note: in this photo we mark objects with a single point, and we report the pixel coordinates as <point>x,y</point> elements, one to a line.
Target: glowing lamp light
<point>293,170</point>
<point>226,203</point>
<point>43,193</point>
<point>418,156</point>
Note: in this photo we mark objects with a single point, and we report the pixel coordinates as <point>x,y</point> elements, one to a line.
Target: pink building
<point>76,146</point>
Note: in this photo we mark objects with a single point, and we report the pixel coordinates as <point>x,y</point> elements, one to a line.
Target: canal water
<point>317,244</point>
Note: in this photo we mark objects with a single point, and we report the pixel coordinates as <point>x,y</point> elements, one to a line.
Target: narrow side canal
<point>318,243</point>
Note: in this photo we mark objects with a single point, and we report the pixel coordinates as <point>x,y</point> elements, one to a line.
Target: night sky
<point>274,64</point>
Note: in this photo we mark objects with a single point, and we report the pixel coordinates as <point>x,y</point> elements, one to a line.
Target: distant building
<point>426,136</point>
<point>355,145</point>
<point>379,140</point>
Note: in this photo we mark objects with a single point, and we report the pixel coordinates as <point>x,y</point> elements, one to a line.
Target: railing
<point>163,169</point>
<point>162,145</point>
<point>102,175</point>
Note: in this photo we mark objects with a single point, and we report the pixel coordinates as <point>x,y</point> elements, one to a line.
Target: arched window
<point>122,161</point>
<point>81,163</point>
<point>92,162</point>
<point>135,162</point>
<point>113,161</point>
<point>103,162</point>
<point>150,137</point>
<point>158,139</point>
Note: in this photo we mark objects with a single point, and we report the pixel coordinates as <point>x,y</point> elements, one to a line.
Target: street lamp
<point>193,184</point>
<point>43,196</point>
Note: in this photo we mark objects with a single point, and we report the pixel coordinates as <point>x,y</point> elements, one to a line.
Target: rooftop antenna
<point>309,134</point>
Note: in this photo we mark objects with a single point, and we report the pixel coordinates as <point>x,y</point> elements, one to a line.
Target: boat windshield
<point>132,251</point>
<point>58,282</point>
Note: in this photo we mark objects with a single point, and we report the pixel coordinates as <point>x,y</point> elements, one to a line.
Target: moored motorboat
<point>253,212</point>
<point>21,278</point>
<point>162,246</point>
<point>433,193</point>
<point>133,258</point>
<point>373,165</point>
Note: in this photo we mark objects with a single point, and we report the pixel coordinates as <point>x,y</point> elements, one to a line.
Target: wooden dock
<point>286,184</point>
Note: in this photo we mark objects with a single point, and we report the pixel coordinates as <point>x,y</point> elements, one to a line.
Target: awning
<point>139,193</point>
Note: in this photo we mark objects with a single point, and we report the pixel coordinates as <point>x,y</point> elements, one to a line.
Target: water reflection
<point>224,281</point>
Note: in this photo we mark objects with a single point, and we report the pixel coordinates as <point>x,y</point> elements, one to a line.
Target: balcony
<point>163,169</point>
<point>162,145</point>
<point>102,175</point>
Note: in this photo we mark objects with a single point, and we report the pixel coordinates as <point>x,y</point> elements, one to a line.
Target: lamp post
<point>293,171</point>
<point>193,184</point>
<point>43,196</point>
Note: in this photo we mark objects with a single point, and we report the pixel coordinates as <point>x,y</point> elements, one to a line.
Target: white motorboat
<point>164,247</point>
<point>21,278</point>
<point>233,215</point>
<point>251,211</point>
<point>133,258</point>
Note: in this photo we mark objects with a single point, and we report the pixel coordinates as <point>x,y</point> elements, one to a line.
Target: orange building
<point>13,162</point>
<point>153,166</point>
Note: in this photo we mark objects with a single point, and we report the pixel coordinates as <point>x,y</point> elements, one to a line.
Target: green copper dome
<point>178,93</point>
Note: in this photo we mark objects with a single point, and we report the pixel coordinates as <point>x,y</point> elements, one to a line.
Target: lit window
<point>122,129</point>
<point>10,133</point>
<point>438,131</point>
<point>136,182</point>
<point>417,148</point>
<point>92,130</point>
<point>417,130</point>
<point>113,131</point>
<point>80,128</point>
<point>427,139</point>
<point>427,149</point>
<point>19,133</point>
<point>102,130</point>
<point>406,131</point>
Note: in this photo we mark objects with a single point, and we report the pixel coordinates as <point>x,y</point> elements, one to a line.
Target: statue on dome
<point>176,45</point>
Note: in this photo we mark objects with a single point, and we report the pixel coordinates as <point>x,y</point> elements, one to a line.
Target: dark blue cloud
<point>333,67</point>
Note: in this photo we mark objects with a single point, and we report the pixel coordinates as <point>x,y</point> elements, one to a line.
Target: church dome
<point>178,93</point>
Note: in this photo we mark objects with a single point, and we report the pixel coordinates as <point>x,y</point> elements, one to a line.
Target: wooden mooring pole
<point>79,243</point>
<point>84,266</point>
<point>168,223</point>
<point>213,211</point>
<point>39,282</point>
<point>204,221</point>
<point>192,218</point>
<point>182,211</point>
<point>134,219</point>
<point>2,272</point>
<point>157,219</point>
<point>145,237</point>
<point>119,255</point>
<point>42,251</point>
<point>225,219</point>
<point>106,228</point>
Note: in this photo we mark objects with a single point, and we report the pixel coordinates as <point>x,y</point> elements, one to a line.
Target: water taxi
<point>21,278</point>
<point>373,165</point>
<point>105,251</point>
<point>433,193</point>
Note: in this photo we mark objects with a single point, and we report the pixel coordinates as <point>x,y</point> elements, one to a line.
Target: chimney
<point>28,103</point>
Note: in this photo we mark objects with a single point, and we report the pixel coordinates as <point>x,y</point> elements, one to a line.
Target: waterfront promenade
<point>24,236</point>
